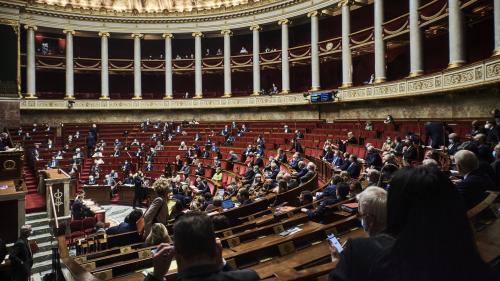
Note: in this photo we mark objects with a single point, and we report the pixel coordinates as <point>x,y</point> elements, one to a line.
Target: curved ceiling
<point>147,6</point>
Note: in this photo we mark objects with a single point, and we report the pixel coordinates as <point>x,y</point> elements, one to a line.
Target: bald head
<point>466,161</point>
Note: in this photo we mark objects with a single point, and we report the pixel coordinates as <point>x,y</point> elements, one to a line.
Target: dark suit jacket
<point>353,170</point>
<point>435,132</point>
<point>373,159</point>
<point>472,188</point>
<point>90,141</point>
<point>212,273</point>
<point>358,256</point>
<point>22,260</point>
<point>309,175</point>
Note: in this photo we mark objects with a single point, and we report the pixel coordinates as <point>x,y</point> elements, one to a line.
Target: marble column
<point>346,45</point>
<point>496,16</point>
<point>285,65</point>
<point>456,34</point>
<point>70,74</point>
<point>169,92</point>
<point>227,63</point>
<point>256,60</point>
<point>137,66</point>
<point>104,66</point>
<point>30,62</point>
<point>198,94</point>
<point>315,83</point>
<point>416,58</point>
<point>378,30</point>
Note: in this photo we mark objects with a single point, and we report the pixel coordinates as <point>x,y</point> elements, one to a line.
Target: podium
<point>12,206</point>
<point>55,183</point>
<point>12,194</point>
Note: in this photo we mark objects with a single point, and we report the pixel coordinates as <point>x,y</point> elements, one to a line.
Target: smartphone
<point>335,242</point>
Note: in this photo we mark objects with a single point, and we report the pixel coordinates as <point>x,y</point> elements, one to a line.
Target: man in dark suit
<point>475,182</point>
<point>311,170</point>
<point>435,132</point>
<point>21,256</point>
<point>358,255</point>
<point>354,168</point>
<point>138,192</point>
<point>302,170</point>
<point>198,254</point>
<point>373,158</point>
<point>90,141</point>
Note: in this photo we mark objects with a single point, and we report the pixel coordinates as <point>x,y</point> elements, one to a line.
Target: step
<point>37,215</point>
<point>41,229</point>
<point>43,237</point>
<point>42,266</point>
<point>42,256</point>
<point>38,222</point>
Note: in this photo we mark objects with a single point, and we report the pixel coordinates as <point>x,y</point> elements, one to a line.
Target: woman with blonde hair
<point>159,234</point>
<point>158,210</point>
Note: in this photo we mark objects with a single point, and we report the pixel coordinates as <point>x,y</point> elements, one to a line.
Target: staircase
<point>34,202</point>
<point>42,260</point>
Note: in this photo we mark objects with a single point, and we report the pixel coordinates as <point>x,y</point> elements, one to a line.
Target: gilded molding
<point>226,31</point>
<point>197,34</point>
<point>466,77</point>
<point>103,34</point>
<point>167,35</point>
<point>283,21</point>
<point>66,31</point>
<point>255,27</point>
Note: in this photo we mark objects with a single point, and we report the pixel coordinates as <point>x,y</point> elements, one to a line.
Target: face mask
<point>451,141</point>
<point>494,154</point>
<point>364,225</point>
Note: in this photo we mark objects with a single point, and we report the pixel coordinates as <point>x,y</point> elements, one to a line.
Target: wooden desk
<point>12,206</point>
<point>289,263</point>
<point>273,238</point>
<point>101,194</point>
<point>126,193</point>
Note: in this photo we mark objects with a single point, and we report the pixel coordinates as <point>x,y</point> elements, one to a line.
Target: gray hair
<point>373,202</point>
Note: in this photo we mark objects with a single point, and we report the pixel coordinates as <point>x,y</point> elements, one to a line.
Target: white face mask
<point>364,225</point>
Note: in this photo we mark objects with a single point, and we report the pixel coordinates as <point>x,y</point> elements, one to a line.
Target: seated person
<point>158,235</point>
<point>129,224</point>
<point>311,171</point>
<point>302,170</point>
<point>306,199</point>
<point>373,215</point>
<point>243,197</point>
<point>197,253</point>
<point>472,188</point>
<point>321,213</point>
<point>217,177</point>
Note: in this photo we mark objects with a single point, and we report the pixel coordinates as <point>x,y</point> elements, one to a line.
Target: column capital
<point>103,34</point>
<point>226,31</point>
<point>30,26</point>
<point>138,35</point>
<point>254,27</point>
<point>312,14</point>
<point>197,34</point>
<point>167,35</point>
<point>66,31</point>
<point>283,21</point>
<point>347,3</point>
